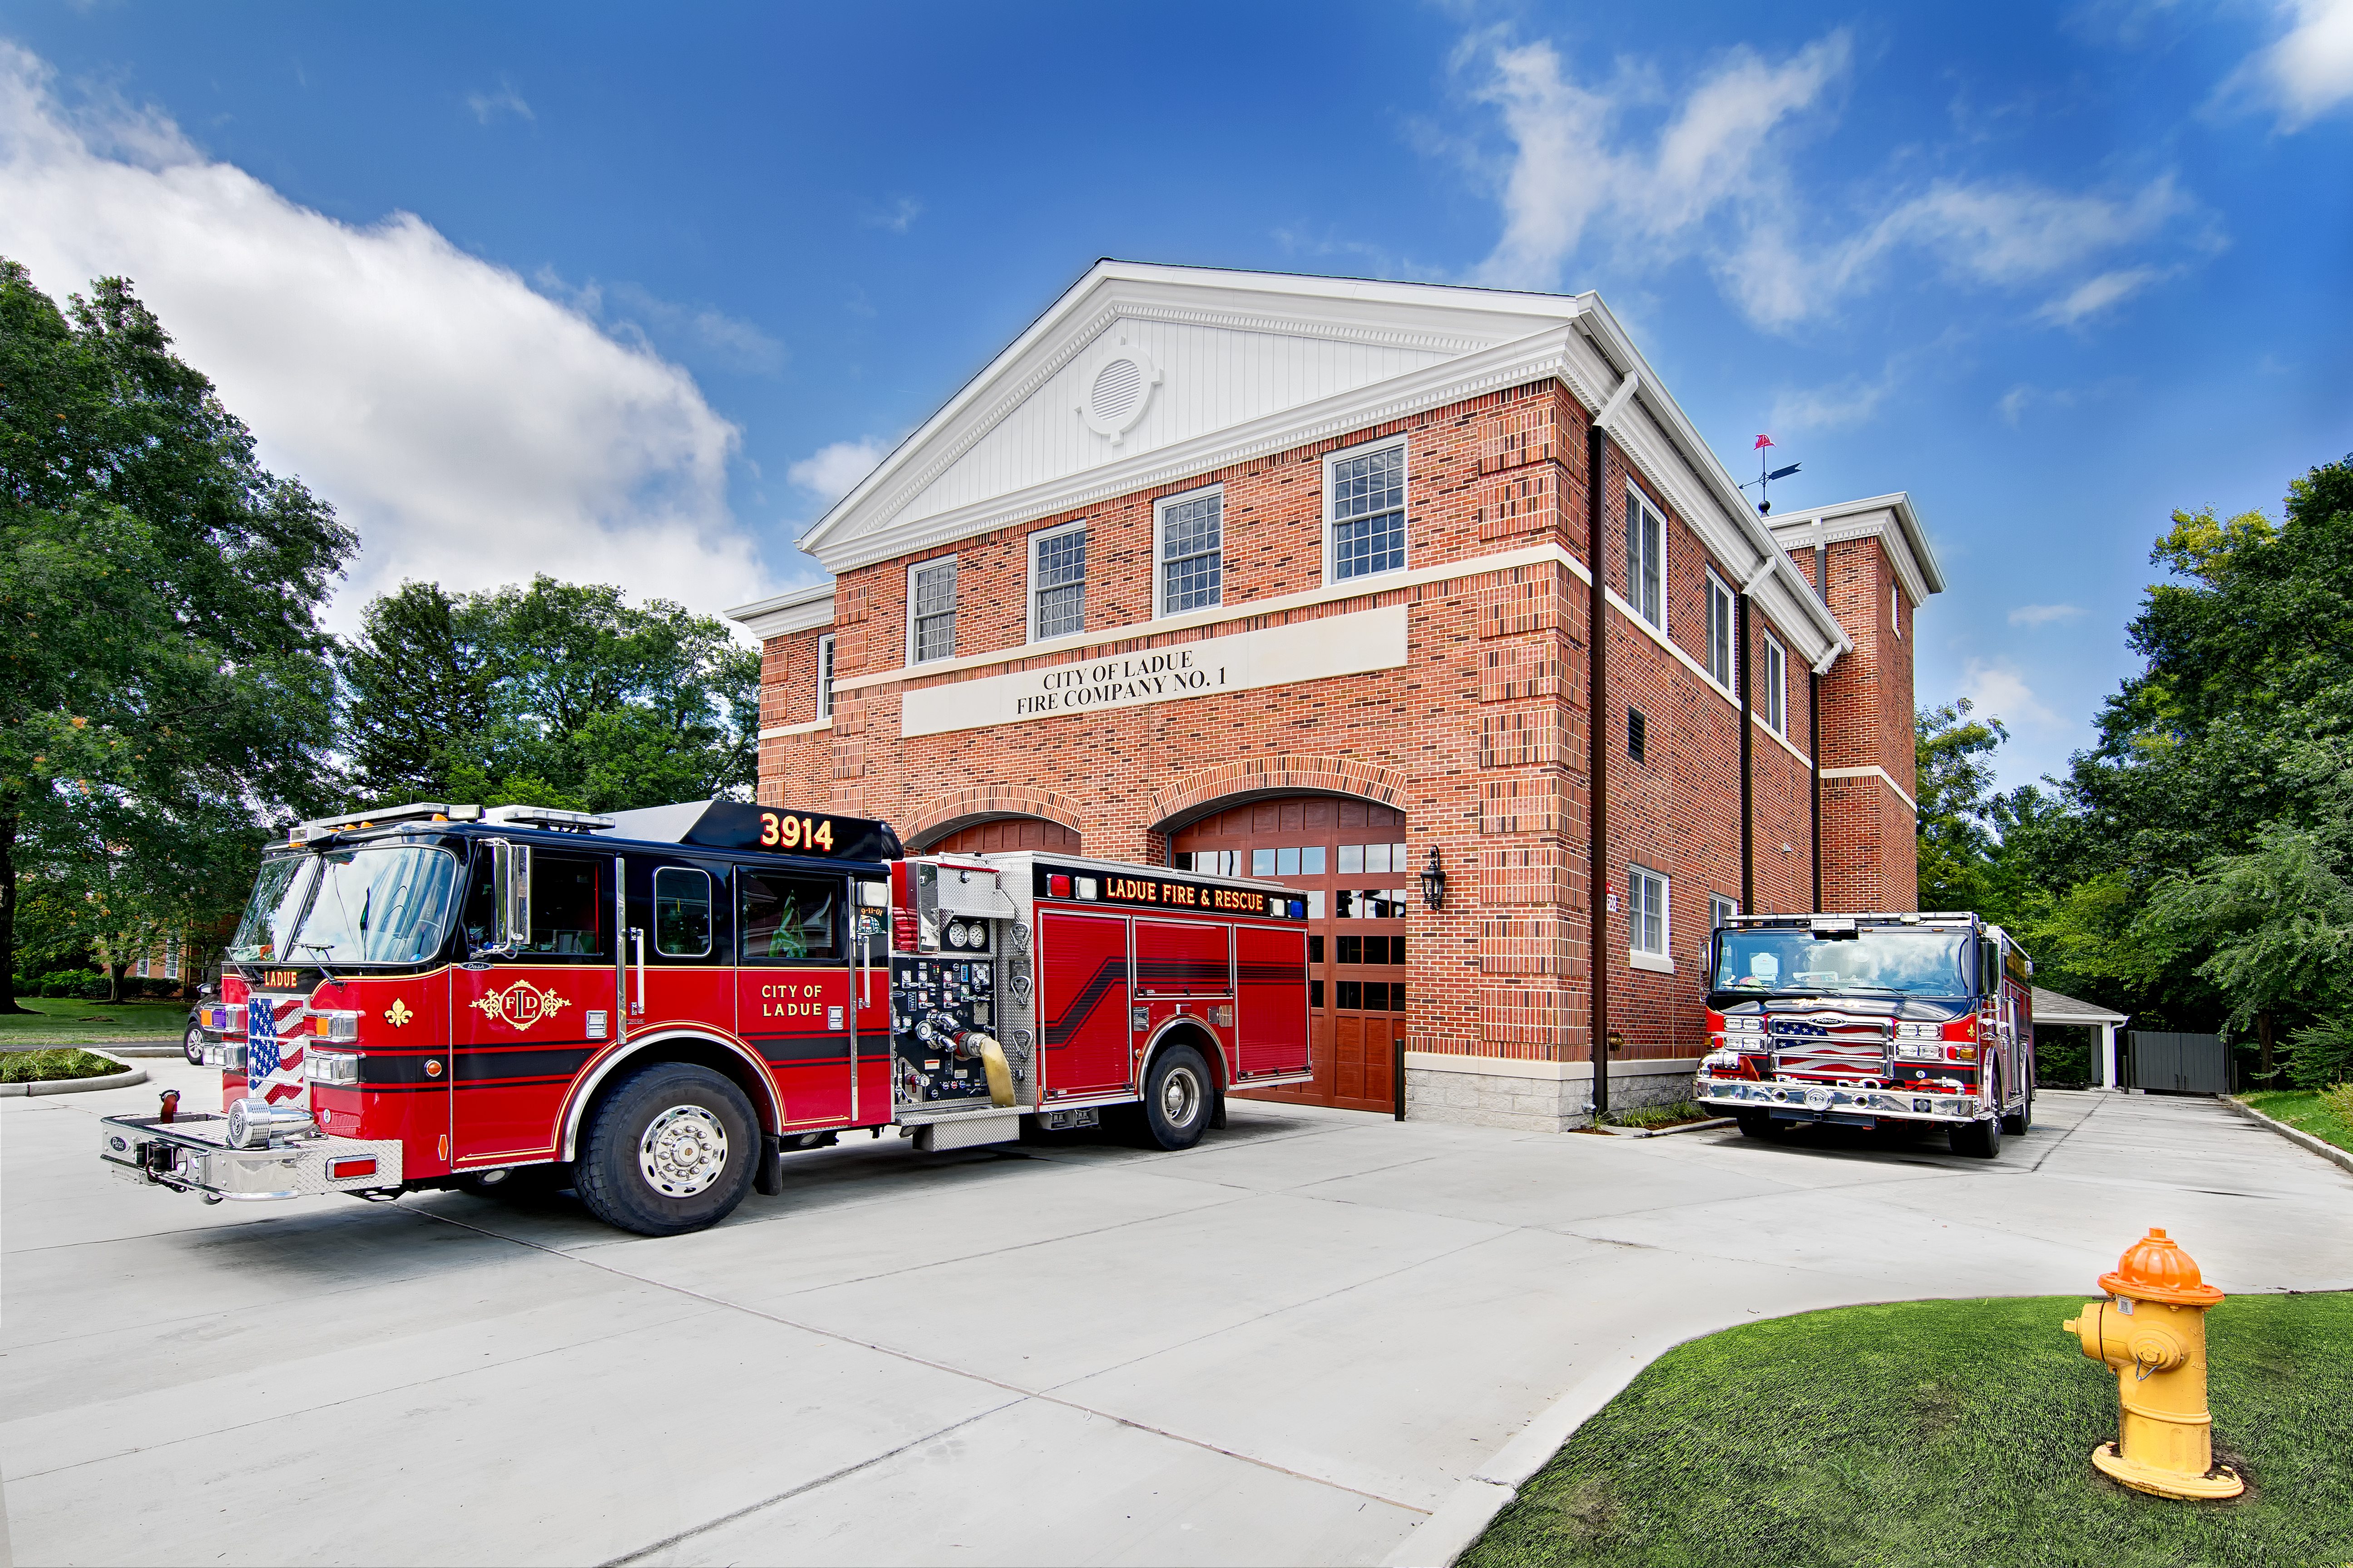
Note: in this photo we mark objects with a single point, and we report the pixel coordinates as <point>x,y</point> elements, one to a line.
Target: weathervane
<point>1764,507</point>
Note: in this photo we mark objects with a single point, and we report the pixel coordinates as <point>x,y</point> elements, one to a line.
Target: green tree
<point>557,693</point>
<point>162,675</point>
<point>1953,758</point>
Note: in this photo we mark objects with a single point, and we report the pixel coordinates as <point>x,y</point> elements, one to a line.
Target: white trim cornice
<point>1874,771</point>
<point>1906,542</point>
<point>800,610</point>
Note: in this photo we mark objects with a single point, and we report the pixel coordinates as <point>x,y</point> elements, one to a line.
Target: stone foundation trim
<point>1533,1097</point>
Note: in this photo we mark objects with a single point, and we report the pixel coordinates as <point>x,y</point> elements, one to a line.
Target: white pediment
<point>1139,360</point>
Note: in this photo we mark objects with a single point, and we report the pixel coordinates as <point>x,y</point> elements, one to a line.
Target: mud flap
<point>1218,1113</point>
<point>770,1180</point>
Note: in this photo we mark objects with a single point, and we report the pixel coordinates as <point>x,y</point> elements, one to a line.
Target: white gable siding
<point>1211,378</point>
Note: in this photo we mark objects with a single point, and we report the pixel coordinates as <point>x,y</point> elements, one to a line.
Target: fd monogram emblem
<point>521,1004</point>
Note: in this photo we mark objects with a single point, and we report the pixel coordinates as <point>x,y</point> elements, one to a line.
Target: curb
<point>1475,1501</point>
<point>1710,1125</point>
<point>2327,1150</point>
<point>124,1080</point>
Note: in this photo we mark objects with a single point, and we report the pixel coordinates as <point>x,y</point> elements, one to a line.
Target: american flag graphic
<point>273,1061</point>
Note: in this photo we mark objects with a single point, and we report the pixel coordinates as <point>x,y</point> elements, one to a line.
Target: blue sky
<point>629,293</point>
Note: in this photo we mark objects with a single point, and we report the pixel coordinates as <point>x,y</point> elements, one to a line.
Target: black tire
<point>2018,1121</point>
<point>1757,1124</point>
<point>192,1046</point>
<point>1179,1097</point>
<point>1978,1140</point>
<point>663,1124</point>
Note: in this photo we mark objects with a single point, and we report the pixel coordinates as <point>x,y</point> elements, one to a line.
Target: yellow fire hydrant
<point>2152,1330</point>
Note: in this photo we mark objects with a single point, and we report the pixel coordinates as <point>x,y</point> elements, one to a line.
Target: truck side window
<point>786,918</point>
<point>571,906</point>
<point>681,912</point>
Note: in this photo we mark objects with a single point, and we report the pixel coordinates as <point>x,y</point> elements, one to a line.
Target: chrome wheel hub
<point>1180,1098</point>
<point>684,1150</point>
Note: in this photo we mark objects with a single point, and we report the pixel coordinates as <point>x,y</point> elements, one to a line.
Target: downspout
<point>1814,747</point>
<point>1596,449</point>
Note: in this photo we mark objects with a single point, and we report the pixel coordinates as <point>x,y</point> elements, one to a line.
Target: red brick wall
<point>1870,857</point>
<point>1482,738</point>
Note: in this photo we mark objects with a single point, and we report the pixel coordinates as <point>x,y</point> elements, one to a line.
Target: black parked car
<point>192,1043</point>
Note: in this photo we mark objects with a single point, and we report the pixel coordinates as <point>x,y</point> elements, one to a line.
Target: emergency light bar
<point>546,817</point>
<point>415,811</point>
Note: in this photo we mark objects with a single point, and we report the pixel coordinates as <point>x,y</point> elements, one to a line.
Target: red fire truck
<point>654,1007</point>
<point>1922,1020</point>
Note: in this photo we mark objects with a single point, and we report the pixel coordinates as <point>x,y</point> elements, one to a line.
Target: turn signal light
<point>344,1170</point>
<point>343,1028</point>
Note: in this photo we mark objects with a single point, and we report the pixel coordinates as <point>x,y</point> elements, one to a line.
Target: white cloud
<point>2000,692</point>
<point>635,314</point>
<point>2306,71</point>
<point>1715,182</point>
<point>489,106</point>
<point>2096,295</point>
<point>897,216</point>
<point>830,472</point>
<point>2043,615</point>
<point>1839,406</point>
<point>474,430</point>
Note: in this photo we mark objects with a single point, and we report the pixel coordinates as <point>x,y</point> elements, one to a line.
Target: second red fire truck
<point>654,1007</point>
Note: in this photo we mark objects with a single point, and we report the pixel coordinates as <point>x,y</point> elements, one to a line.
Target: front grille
<point>1830,1049</point>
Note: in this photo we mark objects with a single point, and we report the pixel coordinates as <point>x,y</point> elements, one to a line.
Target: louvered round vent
<point>1119,386</point>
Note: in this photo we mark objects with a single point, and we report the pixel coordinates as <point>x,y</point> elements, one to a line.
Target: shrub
<point>47,1066</point>
<point>2062,1061</point>
<point>2321,1055</point>
<point>2339,1100</point>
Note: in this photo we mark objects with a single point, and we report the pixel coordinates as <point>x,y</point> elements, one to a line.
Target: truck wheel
<point>2019,1121</point>
<point>1756,1125</point>
<point>674,1148</point>
<point>1978,1140</point>
<point>1179,1095</point>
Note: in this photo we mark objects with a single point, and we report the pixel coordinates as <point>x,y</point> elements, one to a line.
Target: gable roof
<point>1230,365</point>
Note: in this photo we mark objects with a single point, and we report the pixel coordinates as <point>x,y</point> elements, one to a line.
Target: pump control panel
<point>933,1000</point>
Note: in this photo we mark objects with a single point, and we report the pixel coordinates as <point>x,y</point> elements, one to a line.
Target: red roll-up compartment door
<point>1272,1006</point>
<point>1082,1004</point>
<point>1183,958</point>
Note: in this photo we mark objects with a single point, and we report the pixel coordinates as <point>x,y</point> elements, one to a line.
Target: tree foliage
<point>560,693</point>
<point>2195,866</point>
<point>163,683</point>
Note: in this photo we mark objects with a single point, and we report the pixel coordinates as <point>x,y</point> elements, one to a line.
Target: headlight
<point>340,1070</point>
<point>341,1027</point>
<point>1919,1050</point>
<point>1920,1031</point>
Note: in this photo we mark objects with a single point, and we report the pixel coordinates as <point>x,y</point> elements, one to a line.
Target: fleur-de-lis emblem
<point>397,1013</point>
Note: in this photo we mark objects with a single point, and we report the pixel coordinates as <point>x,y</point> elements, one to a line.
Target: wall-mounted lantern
<point>1433,882</point>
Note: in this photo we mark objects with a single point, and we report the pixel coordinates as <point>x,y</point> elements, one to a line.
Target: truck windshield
<point>268,923</point>
<point>379,906</point>
<point>1907,960</point>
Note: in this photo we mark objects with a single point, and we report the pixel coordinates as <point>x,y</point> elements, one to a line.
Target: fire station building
<point>1428,602</point>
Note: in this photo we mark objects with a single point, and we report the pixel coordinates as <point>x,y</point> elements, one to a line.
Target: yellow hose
<point>992,1061</point>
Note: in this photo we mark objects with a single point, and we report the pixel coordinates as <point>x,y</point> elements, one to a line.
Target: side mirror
<point>510,898</point>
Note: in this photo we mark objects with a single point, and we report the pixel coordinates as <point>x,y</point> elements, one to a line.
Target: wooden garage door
<point>1349,858</point>
<point>1008,833</point>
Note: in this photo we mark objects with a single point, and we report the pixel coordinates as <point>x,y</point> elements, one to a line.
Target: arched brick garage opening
<point>1348,856</point>
<point>1007,833</point>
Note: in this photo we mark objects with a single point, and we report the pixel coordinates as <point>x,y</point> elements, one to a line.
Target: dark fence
<point>2184,1064</point>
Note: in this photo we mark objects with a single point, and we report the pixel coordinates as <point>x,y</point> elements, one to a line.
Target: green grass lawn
<point>62,1020</point>
<point>1943,1433</point>
<point>2304,1110</point>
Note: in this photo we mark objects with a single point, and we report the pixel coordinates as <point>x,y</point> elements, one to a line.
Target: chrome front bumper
<point>1798,1100</point>
<point>191,1154</point>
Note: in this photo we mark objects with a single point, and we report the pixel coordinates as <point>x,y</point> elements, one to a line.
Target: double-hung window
<point>1191,553</point>
<point>1364,493</point>
<point>824,675</point>
<point>930,610</point>
<point>1775,699</point>
<point>1646,912</point>
<point>1720,911</point>
<point>1058,582</point>
<point>1646,560</point>
<point>1721,622</point>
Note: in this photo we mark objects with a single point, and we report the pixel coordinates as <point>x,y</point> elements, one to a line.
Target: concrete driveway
<point>1292,1345</point>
